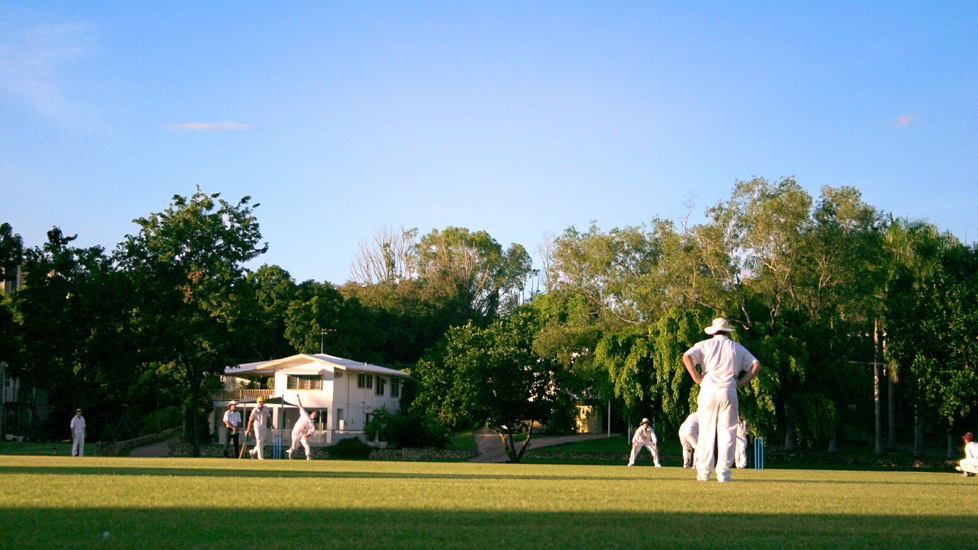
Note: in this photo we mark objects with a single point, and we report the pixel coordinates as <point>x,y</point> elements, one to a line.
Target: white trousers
<point>741,452</point>
<point>296,439</point>
<point>689,447</point>
<point>717,414</point>
<point>259,443</point>
<point>637,448</point>
<point>969,465</point>
<point>78,445</point>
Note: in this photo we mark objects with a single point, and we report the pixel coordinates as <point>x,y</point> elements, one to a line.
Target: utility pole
<point>322,333</point>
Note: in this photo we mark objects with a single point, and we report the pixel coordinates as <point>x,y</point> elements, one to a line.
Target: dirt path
<point>155,450</point>
<point>490,446</point>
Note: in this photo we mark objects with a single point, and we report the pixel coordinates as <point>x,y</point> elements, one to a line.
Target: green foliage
<point>184,266</point>
<point>491,376</point>
<point>349,449</point>
<point>407,430</point>
<point>160,420</point>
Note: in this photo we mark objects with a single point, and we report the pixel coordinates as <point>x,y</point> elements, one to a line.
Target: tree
<point>486,280</point>
<point>391,258</point>
<point>11,256</point>
<point>490,376</point>
<point>75,341</point>
<point>186,267</point>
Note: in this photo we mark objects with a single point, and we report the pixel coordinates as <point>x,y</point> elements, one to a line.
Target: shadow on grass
<point>476,474</point>
<point>249,526</point>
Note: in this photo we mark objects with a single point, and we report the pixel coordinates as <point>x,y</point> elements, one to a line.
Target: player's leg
<point>706,440</point>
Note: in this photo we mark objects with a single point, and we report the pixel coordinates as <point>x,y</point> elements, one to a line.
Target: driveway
<point>491,450</point>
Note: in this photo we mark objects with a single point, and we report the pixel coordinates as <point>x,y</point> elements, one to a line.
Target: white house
<point>342,391</point>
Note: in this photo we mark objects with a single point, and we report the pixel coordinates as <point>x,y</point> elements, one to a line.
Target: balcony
<point>242,395</point>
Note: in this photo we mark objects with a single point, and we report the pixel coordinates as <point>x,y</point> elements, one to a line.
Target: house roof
<point>266,368</point>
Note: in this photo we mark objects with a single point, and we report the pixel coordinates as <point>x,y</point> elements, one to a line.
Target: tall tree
<point>186,264</point>
<point>491,376</point>
<point>75,339</point>
<point>487,280</point>
<point>11,256</point>
<point>390,258</point>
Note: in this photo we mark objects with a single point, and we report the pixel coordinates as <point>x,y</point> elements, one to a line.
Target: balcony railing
<point>242,395</point>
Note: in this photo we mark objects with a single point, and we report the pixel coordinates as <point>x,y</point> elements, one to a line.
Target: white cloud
<point>225,126</point>
<point>31,68</point>
<point>902,120</point>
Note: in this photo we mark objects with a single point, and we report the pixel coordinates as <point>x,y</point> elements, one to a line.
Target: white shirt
<point>742,430</point>
<point>77,424</point>
<point>232,417</point>
<point>304,425</point>
<point>721,360</point>
<point>259,417</point>
<point>643,435</point>
<point>971,450</point>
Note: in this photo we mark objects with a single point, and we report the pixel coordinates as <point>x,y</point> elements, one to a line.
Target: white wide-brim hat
<point>719,325</point>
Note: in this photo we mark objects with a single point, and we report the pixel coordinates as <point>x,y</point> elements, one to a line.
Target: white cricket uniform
<point>301,431</point>
<point>970,462</point>
<point>77,427</point>
<point>259,419</point>
<point>740,454</point>
<point>688,432</point>
<point>721,360</point>
<point>644,437</point>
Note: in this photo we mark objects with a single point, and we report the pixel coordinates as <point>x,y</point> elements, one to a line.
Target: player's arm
<point>751,373</point>
<point>691,369</point>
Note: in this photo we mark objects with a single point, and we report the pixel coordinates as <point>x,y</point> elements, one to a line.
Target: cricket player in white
<point>741,451</point>
<point>721,361</point>
<point>688,432</point>
<point>77,426</point>
<point>645,437</point>
<point>302,430</point>
<point>257,421</point>
<point>969,465</point>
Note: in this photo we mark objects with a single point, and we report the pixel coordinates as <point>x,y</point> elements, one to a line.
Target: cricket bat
<point>244,446</point>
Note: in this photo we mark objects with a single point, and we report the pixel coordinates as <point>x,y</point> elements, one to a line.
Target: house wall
<point>345,405</point>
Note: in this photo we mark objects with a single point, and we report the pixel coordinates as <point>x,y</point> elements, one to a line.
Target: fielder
<point>257,421</point>
<point>77,426</point>
<point>741,451</point>
<point>688,432</point>
<point>645,437</point>
<point>969,465</point>
<point>302,430</point>
<point>721,361</point>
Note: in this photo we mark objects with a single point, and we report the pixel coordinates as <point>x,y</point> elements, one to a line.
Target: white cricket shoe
<point>289,452</point>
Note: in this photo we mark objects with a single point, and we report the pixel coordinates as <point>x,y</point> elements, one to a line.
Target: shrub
<point>410,430</point>
<point>160,420</point>
<point>349,449</point>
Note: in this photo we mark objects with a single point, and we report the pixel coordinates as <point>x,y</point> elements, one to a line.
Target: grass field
<point>92,502</point>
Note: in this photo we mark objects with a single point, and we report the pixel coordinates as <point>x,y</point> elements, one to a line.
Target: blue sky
<point>518,118</point>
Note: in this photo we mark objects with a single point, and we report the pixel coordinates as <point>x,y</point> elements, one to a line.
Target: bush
<point>412,430</point>
<point>349,449</point>
<point>160,420</point>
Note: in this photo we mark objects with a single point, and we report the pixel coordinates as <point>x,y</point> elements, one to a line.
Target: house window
<point>304,382</point>
<point>340,422</point>
<point>381,382</point>
<point>365,380</point>
<point>395,387</point>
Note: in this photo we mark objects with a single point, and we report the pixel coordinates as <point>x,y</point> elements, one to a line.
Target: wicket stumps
<point>277,446</point>
<point>758,453</point>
